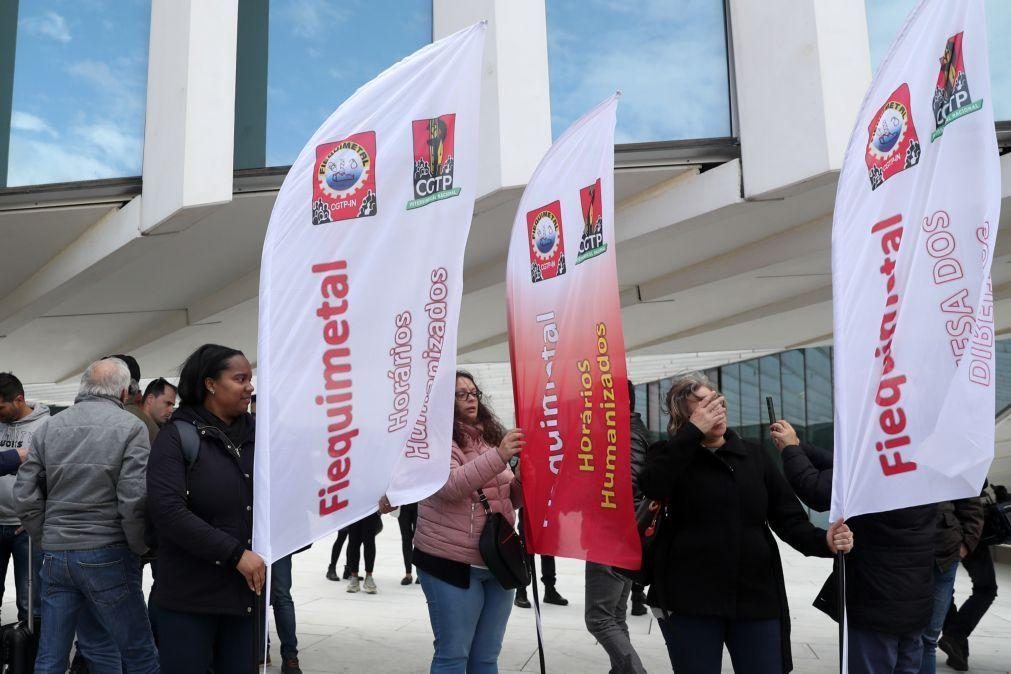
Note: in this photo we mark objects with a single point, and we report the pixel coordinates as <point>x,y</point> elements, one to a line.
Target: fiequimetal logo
<point>547,245</point>
<point>892,143</point>
<point>344,182</point>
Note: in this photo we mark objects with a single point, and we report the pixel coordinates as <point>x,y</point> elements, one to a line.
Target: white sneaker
<point>370,585</point>
<point>353,584</point>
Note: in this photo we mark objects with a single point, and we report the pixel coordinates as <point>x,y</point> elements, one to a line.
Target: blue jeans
<point>97,588</point>
<point>15,545</point>
<point>944,584</point>
<point>695,644</point>
<point>284,607</point>
<point>468,624</point>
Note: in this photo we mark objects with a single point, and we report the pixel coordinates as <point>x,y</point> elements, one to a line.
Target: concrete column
<point>802,69</point>
<point>515,103</point>
<point>189,131</point>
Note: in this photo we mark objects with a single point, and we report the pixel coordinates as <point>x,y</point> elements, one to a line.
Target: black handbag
<point>649,518</point>
<point>501,549</point>
<point>996,523</point>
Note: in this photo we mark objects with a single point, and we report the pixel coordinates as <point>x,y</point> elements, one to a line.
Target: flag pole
<point>841,585</point>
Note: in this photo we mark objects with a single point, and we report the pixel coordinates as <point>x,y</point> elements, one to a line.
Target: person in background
<point>252,405</point>
<point>284,614</point>
<point>467,605</point>
<point>159,401</point>
<point>335,554</point>
<point>640,443</point>
<point>959,525</point>
<point>81,493</point>
<point>362,536</point>
<point>19,420</point>
<point>407,519</point>
<point>962,620</point>
<point>717,576</point>
<point>209,580</point>
<point>607,591</point>
<point>889,576</point>
<point>134,400</point>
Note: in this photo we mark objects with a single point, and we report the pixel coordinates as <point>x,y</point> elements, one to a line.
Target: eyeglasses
<point>464,395</point>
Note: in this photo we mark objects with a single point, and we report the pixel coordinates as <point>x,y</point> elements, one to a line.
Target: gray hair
<point>676,400</point>
<point>106,377</point>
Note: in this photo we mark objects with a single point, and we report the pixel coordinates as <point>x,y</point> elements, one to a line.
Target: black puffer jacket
<point>639,439</point>
<point>715,555</point>
<point>201,538</point>
<point>889,573</point>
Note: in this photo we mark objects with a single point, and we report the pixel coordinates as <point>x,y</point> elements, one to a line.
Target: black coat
<point>201,538</point>
<point>715,554</point>
<point>889,573</point>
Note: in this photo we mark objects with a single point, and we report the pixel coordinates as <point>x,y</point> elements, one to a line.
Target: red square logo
<point>547,245</point>
<point>892,143</point>
<point>344,182</point>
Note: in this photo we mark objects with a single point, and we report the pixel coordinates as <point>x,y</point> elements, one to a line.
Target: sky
<point>81,71</point>
<point>80,78</point>
<point>669,59</point>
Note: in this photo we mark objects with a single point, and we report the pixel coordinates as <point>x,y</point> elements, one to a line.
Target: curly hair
<point>676,400</point>
<point>492,430</point>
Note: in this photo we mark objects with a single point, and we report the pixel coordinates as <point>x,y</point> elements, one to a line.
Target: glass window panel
<point>642,403</point>
<point>79,91</point>
<point>730,376</point>
<point>664,417</point>
<point>885,17</point>
<point>1003,348</point>
<point>321,52</point>
<point>818,377</point>
<point>751,405</point>
<point>668,58</point>
<point>653,398</point>
<point>770,387</point>
<point>794,407</point>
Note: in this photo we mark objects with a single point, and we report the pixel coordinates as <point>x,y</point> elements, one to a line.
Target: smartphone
<point>772,410</point>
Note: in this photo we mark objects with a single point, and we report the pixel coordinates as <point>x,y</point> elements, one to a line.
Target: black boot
<point>331,573</point>
<point>551,596</point>
<point>638,603</point>
<point>956,647</point>
<point>521,598</point>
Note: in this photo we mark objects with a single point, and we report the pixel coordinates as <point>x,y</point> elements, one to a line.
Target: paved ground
<point>390,633</point>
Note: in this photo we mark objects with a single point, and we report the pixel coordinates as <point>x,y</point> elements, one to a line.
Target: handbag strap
<point>484,501</point>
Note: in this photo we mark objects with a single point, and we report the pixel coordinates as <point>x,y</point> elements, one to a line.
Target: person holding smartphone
<point>717,575</point>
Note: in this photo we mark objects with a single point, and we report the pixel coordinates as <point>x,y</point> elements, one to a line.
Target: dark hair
<point>10,387</point>
<point>492,430</point>
<point>631,396</point>
<point>209,361</point>
<point>131,364</point>
<point>157,387</point>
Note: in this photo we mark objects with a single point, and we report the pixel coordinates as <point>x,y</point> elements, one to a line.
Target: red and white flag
<point>913,235</point>
<point>360,288</point>
<point>568,352</point>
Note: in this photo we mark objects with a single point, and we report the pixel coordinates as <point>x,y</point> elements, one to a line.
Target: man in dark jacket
<point>82,493</point>
<point>640,443</point>
<point>607,592</point>
<point>959,525</point>
<point>889,575</point>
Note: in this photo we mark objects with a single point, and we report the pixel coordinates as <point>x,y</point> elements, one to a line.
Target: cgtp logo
<point>344,183</point>
<point>434,146</point>
<point>951,96</point>
<point>591,244</point>
<point>547,245</point>
<point>892,143</point>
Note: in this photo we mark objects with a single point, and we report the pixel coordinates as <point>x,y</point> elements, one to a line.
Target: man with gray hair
<point>82,493</point>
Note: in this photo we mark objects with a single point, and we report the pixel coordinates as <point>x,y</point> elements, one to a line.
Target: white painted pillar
<point>188,135</point>
<point>802,69</point>
<point>515,129</point>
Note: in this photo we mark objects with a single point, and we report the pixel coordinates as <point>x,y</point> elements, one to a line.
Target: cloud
<point>110,143</point>
<point>312,18</point>
<point>50,24</point>
<point>123,96</point>
<point>25,121</point>
<point>37,162</point>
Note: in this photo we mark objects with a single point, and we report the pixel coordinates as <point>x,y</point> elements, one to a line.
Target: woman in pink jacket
<point>468,607</point>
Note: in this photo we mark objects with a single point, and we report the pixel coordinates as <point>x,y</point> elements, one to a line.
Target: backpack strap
<point>190,441</point>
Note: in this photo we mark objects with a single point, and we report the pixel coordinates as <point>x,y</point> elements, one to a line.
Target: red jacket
<point>450,520</point>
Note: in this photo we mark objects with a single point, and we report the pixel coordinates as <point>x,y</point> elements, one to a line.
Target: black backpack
<point>189,439</point>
